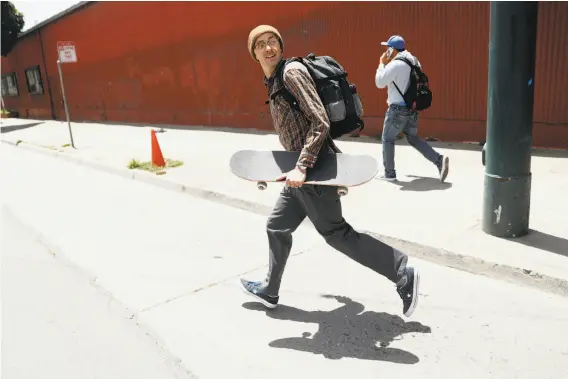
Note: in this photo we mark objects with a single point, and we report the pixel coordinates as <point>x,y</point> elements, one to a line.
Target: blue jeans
<point>401,119</point>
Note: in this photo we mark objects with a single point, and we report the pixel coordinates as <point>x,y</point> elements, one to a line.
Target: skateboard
<point>339,170</point>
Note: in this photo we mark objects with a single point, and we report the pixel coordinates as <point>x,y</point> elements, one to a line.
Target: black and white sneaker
<point>388,178</point>
<point>443,168</point>
<point>407,288</point>
<point>255,289</point>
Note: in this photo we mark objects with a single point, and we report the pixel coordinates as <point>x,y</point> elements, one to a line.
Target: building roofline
<point>54,18</point>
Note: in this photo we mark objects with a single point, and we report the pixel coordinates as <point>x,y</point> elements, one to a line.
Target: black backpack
<point>418,96</point>
<point>339,97</point>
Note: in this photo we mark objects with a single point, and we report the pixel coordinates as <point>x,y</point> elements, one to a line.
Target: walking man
<point>395,75</point>
<point>306,131</point>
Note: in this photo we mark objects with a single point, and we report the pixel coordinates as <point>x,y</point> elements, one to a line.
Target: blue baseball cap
<point>396,42</point>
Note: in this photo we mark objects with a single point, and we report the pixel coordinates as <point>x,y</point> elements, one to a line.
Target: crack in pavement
<point>464,263</point>
<point>216,283</point>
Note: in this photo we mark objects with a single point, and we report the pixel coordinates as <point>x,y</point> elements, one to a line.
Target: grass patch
<point>19,142</point>
<point>148,166</point>
<point>66,145</point>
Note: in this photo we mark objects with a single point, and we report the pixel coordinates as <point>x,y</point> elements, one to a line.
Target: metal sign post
<point>67,54</point>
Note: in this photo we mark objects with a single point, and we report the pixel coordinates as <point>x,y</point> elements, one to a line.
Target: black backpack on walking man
<point>339,97</point>
<point>418,96</point>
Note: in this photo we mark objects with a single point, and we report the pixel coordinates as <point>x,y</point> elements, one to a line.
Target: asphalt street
<point>58,324</point>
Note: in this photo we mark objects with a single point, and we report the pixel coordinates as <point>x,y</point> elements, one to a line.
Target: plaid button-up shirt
<point>306,130</point>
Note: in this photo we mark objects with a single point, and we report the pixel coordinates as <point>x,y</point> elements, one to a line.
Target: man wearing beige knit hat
<point>306,129</point>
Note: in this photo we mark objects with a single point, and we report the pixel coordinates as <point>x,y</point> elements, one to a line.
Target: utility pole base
<point>506,206</point>
<point>510,98</point>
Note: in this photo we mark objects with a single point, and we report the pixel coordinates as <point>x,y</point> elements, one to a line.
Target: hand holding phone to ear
<point>386,57</point>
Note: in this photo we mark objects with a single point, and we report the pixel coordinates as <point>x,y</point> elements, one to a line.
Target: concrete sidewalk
<point>442,218</point>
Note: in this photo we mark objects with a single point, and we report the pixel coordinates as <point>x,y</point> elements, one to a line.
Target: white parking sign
<point>66,50</point>
<point>67,54</point>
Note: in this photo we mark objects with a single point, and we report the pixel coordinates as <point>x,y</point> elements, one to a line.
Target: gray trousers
<point>322,205</point>
<point>401,119</point>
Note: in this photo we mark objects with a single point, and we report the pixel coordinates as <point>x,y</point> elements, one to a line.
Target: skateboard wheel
<point>342,191</point>
<point>261,185</point>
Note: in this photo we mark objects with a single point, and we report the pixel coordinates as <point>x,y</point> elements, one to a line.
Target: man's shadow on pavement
<point>422,183</point>
<point>346,332</point>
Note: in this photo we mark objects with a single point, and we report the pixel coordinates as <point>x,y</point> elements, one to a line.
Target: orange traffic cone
<point>157,157</point>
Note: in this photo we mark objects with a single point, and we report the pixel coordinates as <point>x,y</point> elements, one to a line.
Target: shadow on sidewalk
<point>544,241</point>
<point>346,332</point>
<point>422,184</point>
<point>13,128</point>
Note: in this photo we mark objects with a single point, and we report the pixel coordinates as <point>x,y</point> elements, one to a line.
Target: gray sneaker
<point>255,289</point>
<point>388,178</point>
<point>407,289</point>
<point>444,168</point>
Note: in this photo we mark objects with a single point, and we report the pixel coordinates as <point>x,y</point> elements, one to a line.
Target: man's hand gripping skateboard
<point>294,178</point>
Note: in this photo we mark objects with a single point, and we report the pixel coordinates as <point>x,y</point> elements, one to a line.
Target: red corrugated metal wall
<point>189,65</point>
<point>551,96</point>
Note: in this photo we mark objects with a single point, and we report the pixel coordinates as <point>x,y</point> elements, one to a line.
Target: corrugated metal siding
<point>454,56</point>
<point>551,77</point>
<point>191,66</point>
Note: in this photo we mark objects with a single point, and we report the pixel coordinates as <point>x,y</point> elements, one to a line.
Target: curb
<point>149,178</point>
<point>70,158</point>
<point>431,254</point>
<point>478,266</point>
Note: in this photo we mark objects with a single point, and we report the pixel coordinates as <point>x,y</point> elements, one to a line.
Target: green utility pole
<point>512,51</point>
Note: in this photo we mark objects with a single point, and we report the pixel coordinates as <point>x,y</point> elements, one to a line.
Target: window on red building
<point>33,78</point>
<point>9,85</point>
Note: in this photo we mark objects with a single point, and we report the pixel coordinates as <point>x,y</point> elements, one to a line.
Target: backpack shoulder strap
<point>405,60</point>
<point>398,89</point>
<point>411,67</point>
<point>283,90</point>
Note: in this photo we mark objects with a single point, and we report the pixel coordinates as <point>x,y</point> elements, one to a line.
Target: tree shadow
<point>346,332</point>
<point>422,184</point>
<point>544,241</point>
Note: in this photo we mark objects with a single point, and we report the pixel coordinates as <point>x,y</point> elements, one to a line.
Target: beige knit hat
<point>259,30</point>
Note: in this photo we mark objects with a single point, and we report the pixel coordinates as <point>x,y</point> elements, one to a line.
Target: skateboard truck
<point>333,170</point>
<point>342,190</point>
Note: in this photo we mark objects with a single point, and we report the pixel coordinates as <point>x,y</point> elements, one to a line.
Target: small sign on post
<point>67,54</point>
